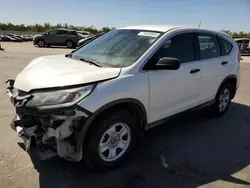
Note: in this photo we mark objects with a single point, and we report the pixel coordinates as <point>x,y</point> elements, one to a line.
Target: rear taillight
<point>239,56</point>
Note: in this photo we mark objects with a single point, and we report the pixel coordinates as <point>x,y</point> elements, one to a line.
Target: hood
<point>38,35</point>
<point>58,71</point>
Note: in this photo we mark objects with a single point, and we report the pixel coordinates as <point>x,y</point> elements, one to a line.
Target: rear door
<point>61,37</point>
<point>213,65</point>
<point>73,35</point>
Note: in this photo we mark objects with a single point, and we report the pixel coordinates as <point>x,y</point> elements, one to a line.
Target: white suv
<point>97,101</point>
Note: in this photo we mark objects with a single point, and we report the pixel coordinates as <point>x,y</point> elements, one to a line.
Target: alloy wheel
<point>114,142</point>
<point>224,99</point>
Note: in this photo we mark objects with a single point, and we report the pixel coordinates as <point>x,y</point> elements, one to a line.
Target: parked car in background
<point>58,37</point>
<point>88,39</point>
<point>97,101</point>
<point>28,37</point>
<point>9,39</point>
<point>244,45</point>
<point>17,37</point>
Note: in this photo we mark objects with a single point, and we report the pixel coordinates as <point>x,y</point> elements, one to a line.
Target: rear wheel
<point>111,140</point>
<point>223,100</point>
<point>69,44</point>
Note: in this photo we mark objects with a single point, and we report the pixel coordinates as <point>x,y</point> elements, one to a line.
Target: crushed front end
<point>51,130</point>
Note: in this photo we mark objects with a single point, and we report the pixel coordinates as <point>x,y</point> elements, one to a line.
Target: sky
<point>231,15</point>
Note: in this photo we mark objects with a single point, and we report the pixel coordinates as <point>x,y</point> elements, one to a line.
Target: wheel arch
<point>70,40</point>
<point>232,79</point>
<point>135,105</point>
<point>40,39</point>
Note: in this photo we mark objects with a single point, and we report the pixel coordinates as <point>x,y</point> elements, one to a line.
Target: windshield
<point>118,48</point>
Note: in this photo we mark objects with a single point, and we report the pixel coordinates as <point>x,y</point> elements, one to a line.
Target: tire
<point>111,140</point>
<point>70,44</point>
<point>40,43</point>
<point>222,101</point>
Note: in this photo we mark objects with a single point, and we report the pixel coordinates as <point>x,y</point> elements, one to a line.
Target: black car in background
<point>58,37</point>
<point>244,45</point>
<point>9,39</point>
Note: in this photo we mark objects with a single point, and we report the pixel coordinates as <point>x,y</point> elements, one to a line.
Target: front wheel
<point>111,140</point>
<point>40,43</point>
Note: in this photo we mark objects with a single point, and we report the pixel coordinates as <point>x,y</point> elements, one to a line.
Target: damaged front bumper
<point>52,131</point>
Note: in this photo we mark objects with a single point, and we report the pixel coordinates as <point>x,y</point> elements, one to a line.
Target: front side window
<point>209,46</point>
<point>119,47</point>
<point>53,32</point>
<point>180,47</point>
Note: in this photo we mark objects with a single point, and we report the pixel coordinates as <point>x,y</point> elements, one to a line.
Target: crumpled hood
<point>57,71</point>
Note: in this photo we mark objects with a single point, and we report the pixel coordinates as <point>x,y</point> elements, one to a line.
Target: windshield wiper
<point>70,54</point>
<point>92,62</point>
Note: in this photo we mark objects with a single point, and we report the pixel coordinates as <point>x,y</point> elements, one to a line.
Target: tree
<point>47,26</point>
<point>105,29</point>
<point>241,34</point>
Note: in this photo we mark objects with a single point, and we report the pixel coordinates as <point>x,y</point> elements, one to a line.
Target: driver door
<point>51,37</point>
<point>173,91</point>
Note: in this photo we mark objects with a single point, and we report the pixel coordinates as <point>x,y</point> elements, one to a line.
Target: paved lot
<point>199,151</point>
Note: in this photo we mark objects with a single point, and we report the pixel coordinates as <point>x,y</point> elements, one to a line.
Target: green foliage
<point>47,26</point>
<point>237,35</point>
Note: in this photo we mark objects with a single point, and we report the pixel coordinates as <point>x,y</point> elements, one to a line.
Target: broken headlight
<point>59,97</point>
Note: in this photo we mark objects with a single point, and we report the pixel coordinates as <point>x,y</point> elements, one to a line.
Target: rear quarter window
<point>72,32</point>
<point>226,47</point>
<point>209,46</point>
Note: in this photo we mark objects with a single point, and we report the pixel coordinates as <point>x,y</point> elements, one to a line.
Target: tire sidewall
<point>68,46</point>
<point>91,148</point>
<point>39,44</point>
<point>217,111</point>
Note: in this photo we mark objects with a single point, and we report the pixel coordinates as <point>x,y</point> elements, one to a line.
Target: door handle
<point>194,71</point>
<point>224,62</point>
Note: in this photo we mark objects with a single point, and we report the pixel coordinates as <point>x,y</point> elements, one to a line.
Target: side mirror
<point>167,63</point>
<point>46,34</point>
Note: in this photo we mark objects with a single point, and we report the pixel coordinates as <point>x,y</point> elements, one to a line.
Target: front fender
<point>134,87</point>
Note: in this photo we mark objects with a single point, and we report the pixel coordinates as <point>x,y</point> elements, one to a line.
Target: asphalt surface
<point>188,151</point>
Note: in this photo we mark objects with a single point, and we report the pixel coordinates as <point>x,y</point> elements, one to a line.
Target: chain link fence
<point>19,32</point>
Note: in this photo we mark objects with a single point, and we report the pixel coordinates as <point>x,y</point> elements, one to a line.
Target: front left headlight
<point>59,97</point>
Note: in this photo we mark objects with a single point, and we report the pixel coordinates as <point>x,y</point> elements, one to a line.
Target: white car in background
<point>244,45</point>
<point>84,34</point>
<point>97,101</point>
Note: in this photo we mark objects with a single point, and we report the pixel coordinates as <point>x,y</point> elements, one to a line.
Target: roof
<point>236,39</point>
<point>165,28</point>
<point>64,29</point>
<point>162,28</point>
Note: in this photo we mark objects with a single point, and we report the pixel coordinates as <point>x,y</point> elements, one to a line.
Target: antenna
<point>200,24</point>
